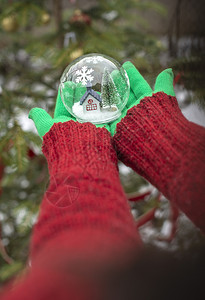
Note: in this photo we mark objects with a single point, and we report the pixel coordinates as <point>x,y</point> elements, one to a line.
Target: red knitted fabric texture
<point>158,142</point>
<point>85,203</point>
<point>84,216</point>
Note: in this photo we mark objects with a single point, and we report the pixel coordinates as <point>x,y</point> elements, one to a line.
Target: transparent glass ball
<point>94,88</point>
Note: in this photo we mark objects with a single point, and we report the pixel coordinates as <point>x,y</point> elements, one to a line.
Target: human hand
<point>139,89</point>
<point>43,121</point>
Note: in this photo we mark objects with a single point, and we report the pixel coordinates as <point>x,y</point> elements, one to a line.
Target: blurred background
<point>38,39</point>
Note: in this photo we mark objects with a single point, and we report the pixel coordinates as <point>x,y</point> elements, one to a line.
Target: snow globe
<point>94,88</point>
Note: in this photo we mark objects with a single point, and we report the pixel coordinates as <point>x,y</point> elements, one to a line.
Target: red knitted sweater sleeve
<point>84,215</point>
<point>161,145</point>
<point>85,202</point>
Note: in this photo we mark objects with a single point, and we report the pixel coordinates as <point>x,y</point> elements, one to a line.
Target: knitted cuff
<point>157,141</point>
<point>72,144</point>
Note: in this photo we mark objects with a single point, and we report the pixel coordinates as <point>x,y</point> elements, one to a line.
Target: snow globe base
<point>97,119</point>
<point>94,88</point>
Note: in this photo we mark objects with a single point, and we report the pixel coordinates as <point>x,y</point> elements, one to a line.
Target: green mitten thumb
<point>42,120</point>
<point>164,82</point>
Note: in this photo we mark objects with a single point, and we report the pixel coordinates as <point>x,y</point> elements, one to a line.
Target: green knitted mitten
<point>139,89</point>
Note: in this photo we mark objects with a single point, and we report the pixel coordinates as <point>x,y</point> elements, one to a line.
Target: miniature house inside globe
<point>94,88</point>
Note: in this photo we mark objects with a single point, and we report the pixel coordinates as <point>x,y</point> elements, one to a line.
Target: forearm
<point>84,223</point>
<point>169,151</point>
<point>84,207</point>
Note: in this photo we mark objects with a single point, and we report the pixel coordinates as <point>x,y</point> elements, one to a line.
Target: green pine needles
<point>109,94</point>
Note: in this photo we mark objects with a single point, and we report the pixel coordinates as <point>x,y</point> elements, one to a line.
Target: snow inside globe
<point>94,88</point>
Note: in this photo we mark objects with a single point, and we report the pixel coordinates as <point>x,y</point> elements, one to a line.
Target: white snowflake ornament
<point>84,76</point>
<point>94,88</point>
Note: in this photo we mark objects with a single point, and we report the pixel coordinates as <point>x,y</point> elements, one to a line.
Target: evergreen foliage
<point>36,45</point>
<point>109,92</point>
